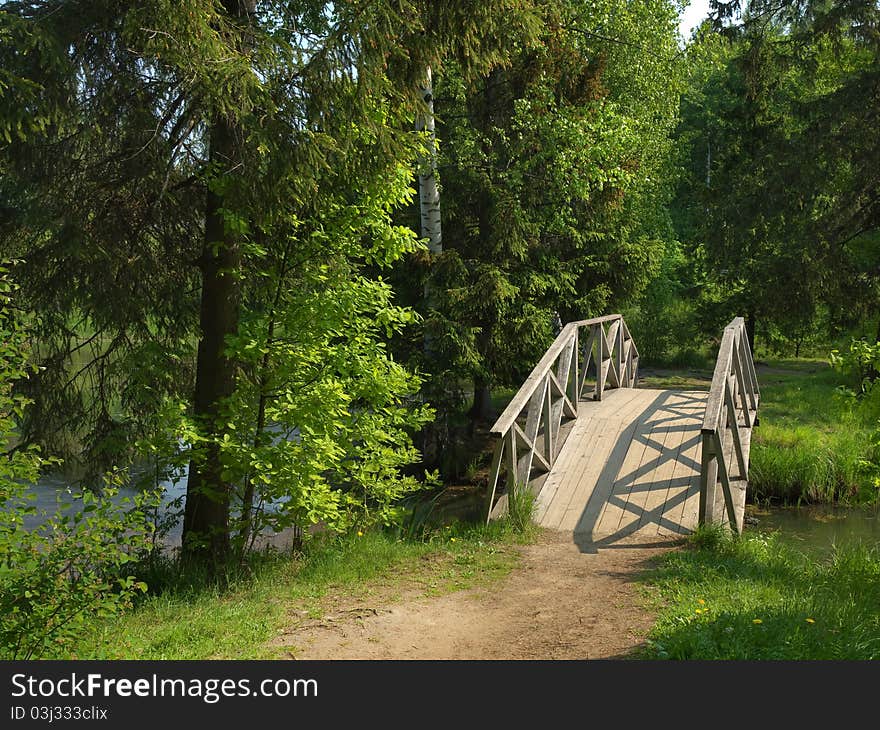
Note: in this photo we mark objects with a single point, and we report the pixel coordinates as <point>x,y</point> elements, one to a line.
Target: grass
<point>187,619</point>
<point>812,444</point>
<point>756,598</point>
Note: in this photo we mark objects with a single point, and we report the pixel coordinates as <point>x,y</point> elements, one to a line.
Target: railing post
<point>708,477</point>
<point>512,461</point>
<point>600,361</point>
<point>573,380</point>
<point>621,375</point>
<point>494,472</point>
<point>549,436</point>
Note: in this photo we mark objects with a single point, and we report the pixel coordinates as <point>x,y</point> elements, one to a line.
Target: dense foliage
<point>778,205</point>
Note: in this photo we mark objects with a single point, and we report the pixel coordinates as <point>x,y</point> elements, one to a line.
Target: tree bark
<point>429,193</point>
<point>206,516</point>
<point>429,199</point>
<point>208,494</point>
<point>481,411</point>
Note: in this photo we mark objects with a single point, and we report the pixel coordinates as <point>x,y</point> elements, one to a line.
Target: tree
<point>553,167</point>
<point>204,226</point>
<point>788,209</point>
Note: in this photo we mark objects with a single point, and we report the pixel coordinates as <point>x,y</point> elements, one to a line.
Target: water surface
<point>820,527</point>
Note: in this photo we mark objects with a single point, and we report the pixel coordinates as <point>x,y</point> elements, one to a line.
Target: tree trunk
<point>429,199</point>
<point>429,193</point>
<point>481,411</point>
<point>206,515</point>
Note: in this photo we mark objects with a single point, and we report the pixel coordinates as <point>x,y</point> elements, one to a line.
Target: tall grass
<point>521,509</point>
<point>812,444</point>
<point>758,598</point>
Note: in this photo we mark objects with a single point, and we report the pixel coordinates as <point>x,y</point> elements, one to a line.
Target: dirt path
<point>559,603</point>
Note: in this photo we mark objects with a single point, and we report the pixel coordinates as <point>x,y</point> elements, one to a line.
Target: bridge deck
<point>631,466</point>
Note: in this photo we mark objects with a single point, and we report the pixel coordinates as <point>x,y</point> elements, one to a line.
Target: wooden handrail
<point>552,392</point>
<point>732,405</point>
<point>539,372</point>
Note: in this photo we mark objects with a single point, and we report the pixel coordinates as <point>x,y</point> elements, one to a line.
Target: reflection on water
<point>820,527</point>
<point>54,492</point>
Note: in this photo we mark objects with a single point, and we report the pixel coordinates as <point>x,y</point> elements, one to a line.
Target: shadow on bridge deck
<point>629,471</point>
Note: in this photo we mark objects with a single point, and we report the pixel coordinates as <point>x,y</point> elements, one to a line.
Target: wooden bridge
<point>608,459</point>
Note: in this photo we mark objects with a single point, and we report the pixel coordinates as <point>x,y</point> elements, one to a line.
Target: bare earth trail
<point>558,603</point>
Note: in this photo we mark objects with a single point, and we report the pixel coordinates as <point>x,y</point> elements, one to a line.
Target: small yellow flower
<point>451,539</point>
<point>701,601</point>
<point>360,534</point>
<point>757,621</point>
<point>810,620</point>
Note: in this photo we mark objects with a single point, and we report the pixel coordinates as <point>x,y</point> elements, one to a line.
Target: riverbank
<point>186,617</point>
<point>759,597</point>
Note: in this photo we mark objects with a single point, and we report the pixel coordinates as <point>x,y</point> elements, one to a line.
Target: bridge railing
<point>732,406</point>
<point>529,432</point>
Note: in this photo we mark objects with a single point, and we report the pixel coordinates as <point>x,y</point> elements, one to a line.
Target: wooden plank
<point>512,461</point>
<point>626,368</point>
<point>578,457</point>
<point>589,520</point>
<point>734,432</point>
<point>575,493</point>
<point>725,483</point>
<point>534,454</point>
<point>588,357</point>
<point>617,405</point>
<point>643,479</point>
<point>613,511</point>
<point>572,383</point>
<point>567,406</point>
<point>715,400</point>
<point>563,364</point>
<point>683,492</point>
<point>655,498</point>
<point>630,402</point>
<point>626,332</point>
<point>494,471</point>
<point>611,341</point>
<point>582,488</point>
<point>533,419</point>
<point>750,370</point>
<point>549,434</point>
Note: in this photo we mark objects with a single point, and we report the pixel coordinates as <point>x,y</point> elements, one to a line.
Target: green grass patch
<point>812,444</point>
<point>758,598</point>
<point>666,379</point>
<point>186,619</point>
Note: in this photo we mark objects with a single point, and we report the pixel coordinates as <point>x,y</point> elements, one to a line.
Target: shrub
<point>54,578</point>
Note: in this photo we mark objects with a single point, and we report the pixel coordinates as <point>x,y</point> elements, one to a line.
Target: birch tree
<point>429,191</point>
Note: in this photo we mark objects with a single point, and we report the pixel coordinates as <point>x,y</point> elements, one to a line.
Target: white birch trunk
<point>429,193</point>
